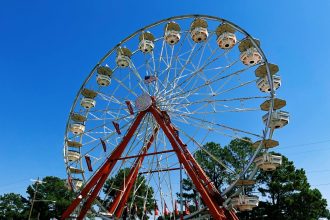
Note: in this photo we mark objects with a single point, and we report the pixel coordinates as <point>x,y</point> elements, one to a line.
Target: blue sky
<point>48,47</point>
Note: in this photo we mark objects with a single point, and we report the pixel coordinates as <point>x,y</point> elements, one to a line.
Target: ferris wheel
<point>158,97</point>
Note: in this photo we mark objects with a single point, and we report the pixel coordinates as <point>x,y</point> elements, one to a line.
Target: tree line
<point>284,194</point>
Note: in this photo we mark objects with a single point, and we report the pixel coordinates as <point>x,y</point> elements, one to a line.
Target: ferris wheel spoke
<point>121,114</point>
<point>168,69</point>
<point>207,44</point>
<point>208,100</point>
<point>207,83</point>
<point>195,90</point>
<point>140,83</point>
<point>119,117</point>
<point>221,125</point>
<point>151,71</point>
<point>103,125</point>
<point>162,170</point>
<point>120,84</point>
<point>102,111</point>
<point>124,86</point>
<point>195,112</point>
<point>189,59</point>
<point>236,87</point>
<point>174,155</point>
<point>167,177</point>
<point>207,62</point>
<point>200,146</point>
<point>160,190</point>
<point>212,129</point>
<point>108,136</point>
<point>112,99</point>
<point>176,55</point>
<point>134,144</point>
<point>204,104</point>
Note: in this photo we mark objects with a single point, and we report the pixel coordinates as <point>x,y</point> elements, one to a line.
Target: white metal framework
<point>193,69</point>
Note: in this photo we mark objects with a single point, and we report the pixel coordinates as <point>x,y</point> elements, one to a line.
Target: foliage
<point>144,193</point>
<point>286,193</point>
<point>13,206</point>
<point>235,156</point>
<point>52,197</point>
<point>289,195</point>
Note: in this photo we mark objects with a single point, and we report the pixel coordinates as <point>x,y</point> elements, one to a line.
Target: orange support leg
<point>92,188</point>
<point>207,196</point>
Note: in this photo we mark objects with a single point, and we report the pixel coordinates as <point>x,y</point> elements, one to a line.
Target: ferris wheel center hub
<point>143,102</point>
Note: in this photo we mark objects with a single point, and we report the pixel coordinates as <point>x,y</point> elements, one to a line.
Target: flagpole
<point>181,193</point>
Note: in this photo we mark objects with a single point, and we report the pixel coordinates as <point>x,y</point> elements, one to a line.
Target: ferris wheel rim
<point>272,93</point>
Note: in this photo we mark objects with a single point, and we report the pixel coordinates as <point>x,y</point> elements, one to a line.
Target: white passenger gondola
<point>264,85</point>
<point>123,58</point>
<point>76,170</point>
<point>77,183</point>
<point>226,37</point>
<point>88,101</point>
<point>77,128</point>
<point>198,30</point>
<point>146,44</point>
<point>249,53</point>
<point>72,155</point>
<point>172,33</point>
<point>268,162</point>
<point>104,75</point>
<point>278,119</point>
<point>244,202</point>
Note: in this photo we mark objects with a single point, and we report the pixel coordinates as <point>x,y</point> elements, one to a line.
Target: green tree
<point>234,156</point>
<point>144,192</point>
<point>213,169</point>
<point>289,194</point>
<point>13,206</point>
<point>52,197</point>
<point>237,156</point>
<point>286,193</point>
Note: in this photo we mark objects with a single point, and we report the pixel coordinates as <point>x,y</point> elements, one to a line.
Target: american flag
<point>156,209</point>
<point>149,79</point>
<point>176,211</point>
<point>166,211</point>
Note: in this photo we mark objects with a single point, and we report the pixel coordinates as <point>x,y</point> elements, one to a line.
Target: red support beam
<point>206,180</point>
<point>210,195</point>
<point>118,204</point>
<point>230,215</point>
<point>92,188</point>
<point>207,196</point>
<point>91,197</point>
